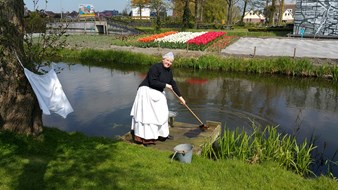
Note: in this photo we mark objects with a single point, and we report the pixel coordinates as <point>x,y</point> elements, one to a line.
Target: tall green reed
<point>260,146</point>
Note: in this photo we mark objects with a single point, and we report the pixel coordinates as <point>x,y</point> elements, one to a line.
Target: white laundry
<point>49,93</point>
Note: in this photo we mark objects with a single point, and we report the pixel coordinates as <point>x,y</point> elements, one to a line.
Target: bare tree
<point>230,5</point>
<point>140,4</point>
<point>280,12</point>
<point>244,10</point>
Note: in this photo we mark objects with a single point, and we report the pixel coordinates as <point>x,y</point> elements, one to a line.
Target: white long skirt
<point>150,114</point>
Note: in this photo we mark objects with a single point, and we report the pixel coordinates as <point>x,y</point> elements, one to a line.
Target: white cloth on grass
<point>49,93</point>
<point>150,114</point>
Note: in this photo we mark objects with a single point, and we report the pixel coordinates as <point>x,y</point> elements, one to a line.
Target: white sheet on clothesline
<point>49,93</point>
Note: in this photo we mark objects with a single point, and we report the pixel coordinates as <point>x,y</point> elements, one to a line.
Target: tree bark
<point>230,4</point>
<point>244,10</point>
<point>281,12</point>
<point>19,109</point>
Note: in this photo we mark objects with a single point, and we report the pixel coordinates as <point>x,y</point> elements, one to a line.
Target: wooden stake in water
<point>254,51</point>
<point>294,52</point>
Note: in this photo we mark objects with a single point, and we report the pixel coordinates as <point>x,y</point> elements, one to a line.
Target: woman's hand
<point>182,101</point>
<point>169,86</point>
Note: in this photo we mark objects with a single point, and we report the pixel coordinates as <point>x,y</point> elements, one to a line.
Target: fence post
<point>294,52</point>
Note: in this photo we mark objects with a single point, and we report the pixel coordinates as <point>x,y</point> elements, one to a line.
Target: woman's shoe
<point>170,137</point>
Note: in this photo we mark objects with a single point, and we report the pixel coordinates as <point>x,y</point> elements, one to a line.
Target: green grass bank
<point>60,160</point>
<point>276,65</point>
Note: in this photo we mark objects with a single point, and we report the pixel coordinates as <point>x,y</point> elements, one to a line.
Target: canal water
<point>102,98</point>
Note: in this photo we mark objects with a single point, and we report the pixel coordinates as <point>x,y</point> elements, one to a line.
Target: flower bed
<point>155,36</point>
<point>182,40</point>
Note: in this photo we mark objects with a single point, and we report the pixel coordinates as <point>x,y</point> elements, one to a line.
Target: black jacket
<point>157,78</point>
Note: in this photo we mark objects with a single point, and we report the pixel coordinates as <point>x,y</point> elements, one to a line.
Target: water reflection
<point>102,99</point>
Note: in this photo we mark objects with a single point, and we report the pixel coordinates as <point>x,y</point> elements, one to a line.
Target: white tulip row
<point>180,37</point>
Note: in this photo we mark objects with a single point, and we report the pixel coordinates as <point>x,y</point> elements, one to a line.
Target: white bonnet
<point>168,55</point>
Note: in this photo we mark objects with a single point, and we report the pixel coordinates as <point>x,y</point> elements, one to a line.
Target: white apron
<point>150,114</point>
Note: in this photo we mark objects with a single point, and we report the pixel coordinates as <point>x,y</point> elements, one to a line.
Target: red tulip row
<point>204,39</point>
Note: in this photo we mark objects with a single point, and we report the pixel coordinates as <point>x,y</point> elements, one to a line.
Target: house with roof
<point>253,17</point>
<point>288,13</point>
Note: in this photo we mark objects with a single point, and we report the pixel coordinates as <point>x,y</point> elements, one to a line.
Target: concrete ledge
<point>185,133</point>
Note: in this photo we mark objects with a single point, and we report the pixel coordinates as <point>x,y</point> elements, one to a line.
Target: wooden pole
<point>254,51</point>
<point>294,52</point>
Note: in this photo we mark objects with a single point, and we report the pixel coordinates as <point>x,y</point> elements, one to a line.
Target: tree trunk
<point>186,15</point>
<point>244,10</point>
<point>197,12</point>
<point>281,12</point>
<point>229,12</point>
<point>19,109</point>
<point>272,13</point>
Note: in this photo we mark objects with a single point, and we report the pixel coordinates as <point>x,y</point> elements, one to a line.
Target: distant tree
<point>244,10</point>
<point>186,15</point>
<point>140,4</point>
<point>230,8</point>
<point>159,6</point>
<point>213,12</point>
<point>280,12</point>
<point>270,11</point>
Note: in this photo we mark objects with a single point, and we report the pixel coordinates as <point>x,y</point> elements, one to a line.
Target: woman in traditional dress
<point>150,109</point>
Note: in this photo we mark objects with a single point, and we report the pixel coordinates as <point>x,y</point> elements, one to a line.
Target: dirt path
<point>160,51</point>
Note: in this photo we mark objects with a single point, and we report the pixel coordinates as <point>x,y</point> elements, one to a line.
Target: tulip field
<point>185,40</point>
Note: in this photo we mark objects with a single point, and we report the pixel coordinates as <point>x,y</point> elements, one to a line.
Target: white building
<point>288,14</point>
<point>145,13</point>
<point>253,17</point>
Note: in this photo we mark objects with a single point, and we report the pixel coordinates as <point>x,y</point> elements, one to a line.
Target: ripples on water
<point>102,99</point>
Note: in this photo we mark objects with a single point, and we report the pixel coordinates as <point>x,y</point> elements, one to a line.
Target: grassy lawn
<point>60,160</point>
<point>105,41</point>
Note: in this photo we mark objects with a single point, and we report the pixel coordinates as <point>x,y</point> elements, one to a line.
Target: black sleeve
<point>174,85</point>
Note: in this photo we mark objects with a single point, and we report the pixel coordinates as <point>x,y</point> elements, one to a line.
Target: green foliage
<point>278,65</point>
<point>35,23</point>
<point>39,46</point>
<point>259,147</point>
<point>99,56</point>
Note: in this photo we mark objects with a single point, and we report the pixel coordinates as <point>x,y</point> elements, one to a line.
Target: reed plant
<point>262,146</point>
